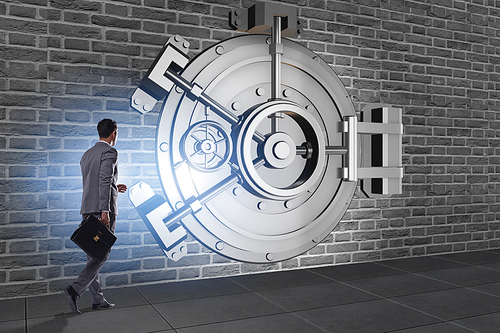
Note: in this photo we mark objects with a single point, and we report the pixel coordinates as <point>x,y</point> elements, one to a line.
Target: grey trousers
<point>89,277</point>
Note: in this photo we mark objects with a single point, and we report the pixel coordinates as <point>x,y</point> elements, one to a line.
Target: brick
<point>74,57</point>
<point>23,289</point>
<point>20,25</point>
<point>120,266</point>
<point>189,7</point>
<point>110,21</point>
<point>76,5</point>
<point>72,130</point>
<point>76,17</point>
<point>117,280</point>
<point>22,129</point>
<point>16,143</point>
<point>76,103</point>
<point>23,261</point>
<point>22,275</point>
<point>220,270</point>
<point>22,39</point>
<point>152,276</point>
<point>22,247</point>
<point>70,30</point>
<point>8,232</point>
<point>50,272</point>
<point>22,171</point>
<point>188,31</point>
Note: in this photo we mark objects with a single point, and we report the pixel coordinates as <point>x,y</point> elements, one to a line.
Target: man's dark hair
<point>106,127</point>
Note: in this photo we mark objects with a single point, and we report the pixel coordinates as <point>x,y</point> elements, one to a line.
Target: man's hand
<point>122,188</point>
<point>105,219</point>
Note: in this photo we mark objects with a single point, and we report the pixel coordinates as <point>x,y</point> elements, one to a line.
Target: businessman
<point>100,193</point>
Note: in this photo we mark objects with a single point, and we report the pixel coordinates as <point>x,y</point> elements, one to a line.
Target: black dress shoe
<point>105,304</point>
<point>73,298</point>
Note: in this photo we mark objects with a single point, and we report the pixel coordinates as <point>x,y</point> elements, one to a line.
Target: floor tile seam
<point>474,316</point>
<point>241,285</point>
<point>436,279</point>
<point>457,260</point>
<point>324,276</point>
<point>421,326</point>
<point>466,328</point>
<point>294,312</point>
<point>25,315</point>
<point>447,282</point>
<point>480,291</point>
<point>419,311</point>
<point>196,298</point>
<point>289,311</point>
<point>309,322</point>
<point>394,300</point>
<point>154,308</point>
<point>85,311</point>
<point>387,266</point>
<point>347,283</point>
<point>247,318</point>
<point>488,268</point>
<point>336,280</point>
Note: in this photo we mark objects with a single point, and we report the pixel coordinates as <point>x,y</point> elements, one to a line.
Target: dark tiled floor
<point>454,293</point>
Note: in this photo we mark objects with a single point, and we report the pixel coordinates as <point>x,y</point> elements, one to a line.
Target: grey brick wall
<point>64,65</point>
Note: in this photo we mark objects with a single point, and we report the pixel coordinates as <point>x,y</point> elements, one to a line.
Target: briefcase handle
<point>108,226</point>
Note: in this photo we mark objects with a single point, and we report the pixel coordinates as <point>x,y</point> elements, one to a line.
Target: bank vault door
<point>259,148</point>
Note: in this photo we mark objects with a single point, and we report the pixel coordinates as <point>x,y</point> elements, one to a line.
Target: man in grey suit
<point>100,193</point>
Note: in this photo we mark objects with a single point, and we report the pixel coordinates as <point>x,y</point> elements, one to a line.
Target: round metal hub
<point>279,150</point>
<point>291,183</point>
<point>206,146</point>
<point>281,204</point>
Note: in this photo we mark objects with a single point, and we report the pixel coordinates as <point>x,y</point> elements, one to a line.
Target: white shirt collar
<point>104,142</point>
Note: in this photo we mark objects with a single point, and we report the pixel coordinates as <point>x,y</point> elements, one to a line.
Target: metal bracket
<point>153,209</point>
<point>259,19</point>
<point>155,85</point>
<point>380,133</point>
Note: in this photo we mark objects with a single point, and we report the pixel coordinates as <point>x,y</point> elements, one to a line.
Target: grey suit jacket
<point>100,173</point>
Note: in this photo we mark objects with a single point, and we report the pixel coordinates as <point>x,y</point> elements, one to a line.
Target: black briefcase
<point>94,238</point>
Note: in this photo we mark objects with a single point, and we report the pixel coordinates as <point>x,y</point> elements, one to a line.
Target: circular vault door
<point>253,173</point>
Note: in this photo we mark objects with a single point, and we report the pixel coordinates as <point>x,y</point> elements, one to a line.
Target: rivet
<point>237,22</point>
<point>179,205</point>
<point>178,90</point>
<point>260,91</point>
<point>146,107</point>
<point>237,191</point>
<point>237,12</point>
<point>185,44</point>
<point>219,50</point>
<point>289,204</point>
<point>261,205</point>
<point>164,147</point>
<point>219,246</point>
<point>137,101</point>
<point>317,59</point>
<point>268,40</point>
<point>177,38</point>
<point>174,255</point>
<point>287,92</point>
<point>236,106</point>
<point>183,249</point>
<point>269,256</point>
